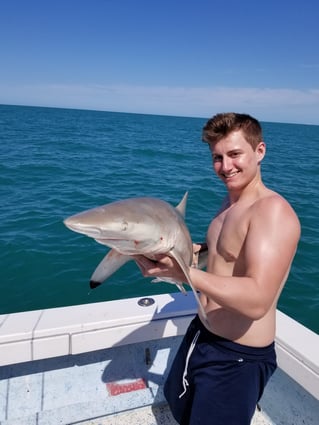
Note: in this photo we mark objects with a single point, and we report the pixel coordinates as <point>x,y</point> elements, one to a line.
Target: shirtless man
<point>224,362</point>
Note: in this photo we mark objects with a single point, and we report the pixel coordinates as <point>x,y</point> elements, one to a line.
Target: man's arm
<point>267,253</point>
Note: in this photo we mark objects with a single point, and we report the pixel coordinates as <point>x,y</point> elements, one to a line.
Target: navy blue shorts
<point>216,381</point>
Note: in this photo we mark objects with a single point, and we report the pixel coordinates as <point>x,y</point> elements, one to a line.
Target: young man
<point>225,361</point>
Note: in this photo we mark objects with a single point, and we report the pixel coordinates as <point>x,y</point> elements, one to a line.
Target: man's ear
<point>261,151</point>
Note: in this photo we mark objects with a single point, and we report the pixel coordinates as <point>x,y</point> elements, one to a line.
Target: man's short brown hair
<point>221,125</point>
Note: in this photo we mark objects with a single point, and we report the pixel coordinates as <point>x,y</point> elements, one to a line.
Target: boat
<point>105,363</point>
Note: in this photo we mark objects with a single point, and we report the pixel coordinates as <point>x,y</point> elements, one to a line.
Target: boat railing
<point>41,334</point>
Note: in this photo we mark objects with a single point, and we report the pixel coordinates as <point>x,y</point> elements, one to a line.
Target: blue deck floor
<point>121,385</point>
<point>71,389</point>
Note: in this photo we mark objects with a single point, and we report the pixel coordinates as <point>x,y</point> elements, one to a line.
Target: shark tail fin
<point>189,281</point>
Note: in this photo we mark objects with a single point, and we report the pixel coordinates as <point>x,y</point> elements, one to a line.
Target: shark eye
<point>124,225</point>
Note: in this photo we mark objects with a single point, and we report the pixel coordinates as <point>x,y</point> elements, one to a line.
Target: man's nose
<point>227,164</point>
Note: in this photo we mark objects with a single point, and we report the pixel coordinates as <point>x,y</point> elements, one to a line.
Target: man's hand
<point>161,266</point>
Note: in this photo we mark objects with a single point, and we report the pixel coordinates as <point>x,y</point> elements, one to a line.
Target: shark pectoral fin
<point>109,265</point>
<point>184,267</point>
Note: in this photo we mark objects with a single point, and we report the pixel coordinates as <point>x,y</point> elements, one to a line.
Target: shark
<point>139,226</point>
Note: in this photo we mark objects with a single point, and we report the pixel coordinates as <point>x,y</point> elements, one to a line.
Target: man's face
<point>234,160</point>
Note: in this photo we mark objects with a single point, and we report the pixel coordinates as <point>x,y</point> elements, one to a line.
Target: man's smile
<point>229,175</point>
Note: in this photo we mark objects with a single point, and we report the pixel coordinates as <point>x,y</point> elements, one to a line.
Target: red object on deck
<point>125,386</point>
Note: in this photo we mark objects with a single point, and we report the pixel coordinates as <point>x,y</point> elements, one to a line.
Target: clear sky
<point>172,57</point>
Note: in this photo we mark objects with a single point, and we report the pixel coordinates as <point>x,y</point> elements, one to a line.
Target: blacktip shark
<point>138,226</point>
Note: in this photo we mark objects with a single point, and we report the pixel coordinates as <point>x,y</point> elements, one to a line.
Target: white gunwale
<point>52,333</point>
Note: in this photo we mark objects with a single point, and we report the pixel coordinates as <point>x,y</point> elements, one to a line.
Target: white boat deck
<point>122,383</point>
<point>71,389</point>
<point>149,415</point>
<point>106,386</point>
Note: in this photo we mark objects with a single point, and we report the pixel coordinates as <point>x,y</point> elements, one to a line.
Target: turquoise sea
<point>57,162</point>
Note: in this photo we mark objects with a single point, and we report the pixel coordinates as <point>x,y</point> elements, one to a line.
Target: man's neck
<point>252,191</point>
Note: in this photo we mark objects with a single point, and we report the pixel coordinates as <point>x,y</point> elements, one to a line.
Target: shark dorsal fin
<point>181,207</point>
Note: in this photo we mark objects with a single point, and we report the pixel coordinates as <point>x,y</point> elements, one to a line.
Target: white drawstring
<point>190,350</point>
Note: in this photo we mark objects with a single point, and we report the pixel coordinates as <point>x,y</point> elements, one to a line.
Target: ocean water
<point>57,162</point>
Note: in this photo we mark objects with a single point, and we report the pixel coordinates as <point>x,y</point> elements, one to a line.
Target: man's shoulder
<point>270,199</point>
<point>273,206</point>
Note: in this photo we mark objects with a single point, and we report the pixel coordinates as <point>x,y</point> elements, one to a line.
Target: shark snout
<point>76,226</point>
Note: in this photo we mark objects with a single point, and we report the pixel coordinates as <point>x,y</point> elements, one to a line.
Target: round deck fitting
<point>146,302</point>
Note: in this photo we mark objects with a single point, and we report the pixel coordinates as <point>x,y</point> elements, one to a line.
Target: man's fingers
<point>146,265</point>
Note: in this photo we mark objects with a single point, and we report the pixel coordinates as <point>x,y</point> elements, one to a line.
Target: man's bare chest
<point>226,234</point>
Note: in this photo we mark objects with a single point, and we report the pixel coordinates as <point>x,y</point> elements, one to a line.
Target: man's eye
<point>217,158</point>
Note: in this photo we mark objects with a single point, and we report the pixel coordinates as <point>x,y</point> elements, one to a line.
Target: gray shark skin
<point>137,226</point>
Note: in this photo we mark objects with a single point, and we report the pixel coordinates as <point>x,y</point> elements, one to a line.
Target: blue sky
<point>172,57</point>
